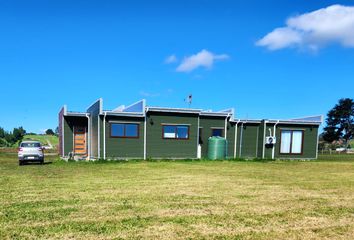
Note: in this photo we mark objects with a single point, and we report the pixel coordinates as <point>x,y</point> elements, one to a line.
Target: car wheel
<point>20,163</point>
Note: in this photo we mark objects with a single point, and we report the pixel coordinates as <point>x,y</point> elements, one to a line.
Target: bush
<point>3,143</point>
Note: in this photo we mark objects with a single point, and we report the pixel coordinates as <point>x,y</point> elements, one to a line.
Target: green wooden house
<point>141,132</point>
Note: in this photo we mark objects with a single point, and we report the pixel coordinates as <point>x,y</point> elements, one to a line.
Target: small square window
<point>217,132</point>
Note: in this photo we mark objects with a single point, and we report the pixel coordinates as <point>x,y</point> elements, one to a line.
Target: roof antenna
<point>189,100</point>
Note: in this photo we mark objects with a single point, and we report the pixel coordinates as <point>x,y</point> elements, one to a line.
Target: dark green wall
<point>260,139</point>
<point>157,147</point>
<point>268,150</point>
<point>207,123</point>
<point>68,136</point>
<point>252,149</point>
<point>123,147</point>
<point>230,139</point>
<point>69,123</point>
<point>248,143</point>
<point>309,144</point>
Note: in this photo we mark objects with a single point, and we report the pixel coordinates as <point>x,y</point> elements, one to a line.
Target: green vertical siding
<point>69,123</point>
<point>238,140</point>
<point>100,119</point>
<point>123,147</point>
<point>230,139</point>
<point>309,141</point>
<point>249,140</point>
<point>261,139</point>
<point>157,147</point>
<point>207,123</point>
<point>262,134</point>
<point>68,136</point>
<point>250,145</point>
<point>268,150</point>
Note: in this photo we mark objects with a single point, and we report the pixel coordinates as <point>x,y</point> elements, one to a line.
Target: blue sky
<point>225,53</point>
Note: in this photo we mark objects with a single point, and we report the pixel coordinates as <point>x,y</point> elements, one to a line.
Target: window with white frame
<point>291,141</point>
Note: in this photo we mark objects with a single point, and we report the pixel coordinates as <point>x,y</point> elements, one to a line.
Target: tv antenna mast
<point>189,100</point>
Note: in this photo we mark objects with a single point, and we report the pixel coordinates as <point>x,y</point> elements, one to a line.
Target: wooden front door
<point>80,140</point>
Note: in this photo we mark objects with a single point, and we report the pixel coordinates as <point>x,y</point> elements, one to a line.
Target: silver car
<point>30,151</point>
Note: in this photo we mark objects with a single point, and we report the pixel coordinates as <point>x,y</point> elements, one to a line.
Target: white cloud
<point>42,131</point>
<point>204,59</point>
<point>334,24</point>
<point>171,59</point>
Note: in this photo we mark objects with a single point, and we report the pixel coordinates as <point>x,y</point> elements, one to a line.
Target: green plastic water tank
<point>217,148</point>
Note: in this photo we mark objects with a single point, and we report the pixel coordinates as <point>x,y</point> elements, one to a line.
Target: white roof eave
<point>76,114</point>
<point>216,114</point>
<point>124,114</point>
<point>277,121</point>
<point>174,110</point>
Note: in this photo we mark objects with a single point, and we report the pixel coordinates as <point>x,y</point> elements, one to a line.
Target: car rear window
<point>30,145</point>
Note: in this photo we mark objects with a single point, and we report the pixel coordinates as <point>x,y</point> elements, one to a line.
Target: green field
<point>177,200</point>
<point>54,140</point>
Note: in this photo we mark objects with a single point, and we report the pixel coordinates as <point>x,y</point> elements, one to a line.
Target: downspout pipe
<point>227,145</point>
<point>198,136</point>
<point>88,136</point>
<point>241,138</point>
<point>274,135</point>
<point>104,135</point>
<point>146,111</point>
<point>264,138</point>
<point>226,126</point>
<point>235,140</point>
<point>98,137</point>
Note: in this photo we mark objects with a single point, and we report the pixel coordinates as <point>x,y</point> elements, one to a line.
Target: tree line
<point>339,125</point>
<point>9,138</point>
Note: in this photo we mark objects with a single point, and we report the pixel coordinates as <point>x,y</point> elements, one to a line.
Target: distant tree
<point>49,132</point>
<point>31,133</point>
<point>9,138</point>
<point>340,122</point>
<point>18,133</point>
<point>3,143</point>
<point>2,133</point>
<point>57,131</point>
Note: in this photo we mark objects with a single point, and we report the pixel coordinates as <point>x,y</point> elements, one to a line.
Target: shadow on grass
<point>36,163</point>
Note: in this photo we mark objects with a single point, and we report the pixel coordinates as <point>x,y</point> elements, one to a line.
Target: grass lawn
<point>177,200</point>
